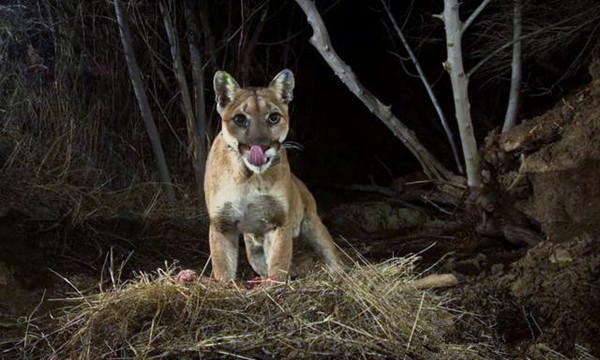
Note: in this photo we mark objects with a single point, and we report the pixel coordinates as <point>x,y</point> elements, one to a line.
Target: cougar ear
<point>225,88</point>
<point>283,84</point>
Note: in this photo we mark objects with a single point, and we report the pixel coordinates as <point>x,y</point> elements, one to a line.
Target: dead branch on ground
<point>435,281</point>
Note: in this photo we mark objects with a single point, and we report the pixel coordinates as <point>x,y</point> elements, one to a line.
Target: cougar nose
<point>264,143</point>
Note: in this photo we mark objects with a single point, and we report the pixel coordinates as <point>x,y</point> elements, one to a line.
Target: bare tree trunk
<point>195,139</point>
<point>425,82</point>
<point>320,40</point>
<point>515,80</point>
<point>199,97</point>
<point>460,89</point>
<point>142,99</point>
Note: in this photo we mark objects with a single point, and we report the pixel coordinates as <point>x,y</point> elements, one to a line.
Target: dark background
<point>343,141</point>
<point>82,75</point>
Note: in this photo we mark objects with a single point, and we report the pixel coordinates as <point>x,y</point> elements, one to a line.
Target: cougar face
<point>255,121</point>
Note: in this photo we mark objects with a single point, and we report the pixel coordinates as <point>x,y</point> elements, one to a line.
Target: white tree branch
<point>512,110</point>
<point>474,15</point>
<point>460,91</point>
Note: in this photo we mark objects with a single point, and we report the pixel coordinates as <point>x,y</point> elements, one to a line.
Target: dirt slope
<point>550,165</point>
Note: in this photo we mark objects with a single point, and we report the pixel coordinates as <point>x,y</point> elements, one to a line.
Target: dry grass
<point>372,311</point>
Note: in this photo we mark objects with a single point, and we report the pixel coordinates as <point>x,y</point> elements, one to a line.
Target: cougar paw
<point>186,276</point>
<point>260,282</point>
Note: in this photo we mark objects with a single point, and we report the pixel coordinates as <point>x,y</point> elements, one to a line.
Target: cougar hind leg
<point>316,234</point>
<point>255,252</point>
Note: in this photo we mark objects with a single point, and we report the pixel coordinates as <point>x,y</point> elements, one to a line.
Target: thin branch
<point>427,86</point>
<point>209,39</point>
<point>474,15</point>
<point>199,97</point>
<point>140,93</point>
<point>179,73</point>
<point>249,47</point>
<point>530,35</point>
<point>321,41</point>
<point>512,110</point>
<point>195,138</point>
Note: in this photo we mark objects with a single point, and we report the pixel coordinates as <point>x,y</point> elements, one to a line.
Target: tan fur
<point>270,207</point>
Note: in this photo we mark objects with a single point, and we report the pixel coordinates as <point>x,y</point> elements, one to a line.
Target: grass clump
<point>370,311</point>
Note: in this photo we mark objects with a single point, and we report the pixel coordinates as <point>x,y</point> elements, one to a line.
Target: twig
<point>178,71</point>
<point>249,47</point>
<point>209,38</point>
<point>79,261</point>
<point>30,317</point>
<point>474,15</point>
<point>439,208</point>
<point>527,36</point>
<point>412,331</point>
<point>427,86</point>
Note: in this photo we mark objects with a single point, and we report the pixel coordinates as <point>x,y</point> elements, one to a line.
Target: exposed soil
<point>549,298</point>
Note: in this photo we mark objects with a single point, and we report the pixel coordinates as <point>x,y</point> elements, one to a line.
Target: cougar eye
<point>240,120</point>
<point>274,118</point>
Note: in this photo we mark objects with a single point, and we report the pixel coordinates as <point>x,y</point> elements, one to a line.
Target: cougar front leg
<point>224,248</point>
<point>278,251</point>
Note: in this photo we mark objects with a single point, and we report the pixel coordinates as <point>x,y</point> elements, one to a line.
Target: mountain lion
<point>250,189</point>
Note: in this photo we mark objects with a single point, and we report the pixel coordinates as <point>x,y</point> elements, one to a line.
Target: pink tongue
<point>257,156</point>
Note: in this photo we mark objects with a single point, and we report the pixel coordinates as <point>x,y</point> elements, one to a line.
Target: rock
<point>529,135</point>
<point>410,217</point>
<point>470,266</point>
<point>497,269</point>
<point>376,216</point>
<point>518,286</point>
<point>561,256</point>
